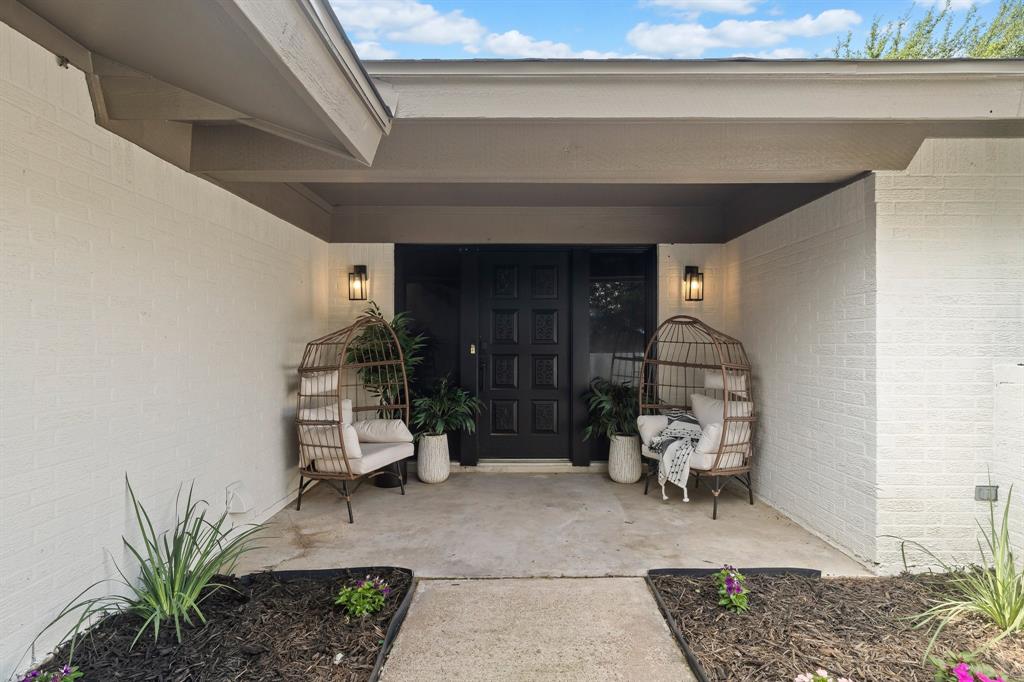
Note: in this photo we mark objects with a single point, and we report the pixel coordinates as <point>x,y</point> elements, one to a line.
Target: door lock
<point>472,349</point>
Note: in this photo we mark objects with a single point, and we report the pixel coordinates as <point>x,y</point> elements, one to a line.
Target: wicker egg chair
<point>346,379</point>
<point>687,357</point>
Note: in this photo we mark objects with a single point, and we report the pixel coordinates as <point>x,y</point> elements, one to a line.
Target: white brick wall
<point>950,308</point>
<point>800,295</point>
<point>150,324</point>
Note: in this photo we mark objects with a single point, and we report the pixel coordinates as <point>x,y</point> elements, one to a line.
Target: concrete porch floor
<point>535,525</point>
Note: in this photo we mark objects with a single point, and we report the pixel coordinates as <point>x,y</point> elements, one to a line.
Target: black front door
<point>525,354</point>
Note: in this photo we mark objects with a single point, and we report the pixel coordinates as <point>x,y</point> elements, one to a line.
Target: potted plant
<point>442,410</point>
<point>613,410</point>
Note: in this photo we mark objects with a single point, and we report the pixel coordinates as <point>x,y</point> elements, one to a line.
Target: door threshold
<point>529,466</point>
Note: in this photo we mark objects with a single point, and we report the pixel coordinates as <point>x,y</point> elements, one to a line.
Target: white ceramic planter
<point>433,465</point>
<point>624,459</point>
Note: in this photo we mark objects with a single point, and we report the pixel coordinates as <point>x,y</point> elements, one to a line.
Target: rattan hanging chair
<point>686,357</point>
<point>353,407</point>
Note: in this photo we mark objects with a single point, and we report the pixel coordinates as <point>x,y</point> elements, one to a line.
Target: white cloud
<point>692,8</point>
<point>777,53</point>
<point>369,49</point>
<point>690,40</point>
<point>516,44</point>
<point>406,21</point>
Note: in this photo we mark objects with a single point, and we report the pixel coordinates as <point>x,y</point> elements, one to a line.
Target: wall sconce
<point>693,284</point>
<point>357,283</point>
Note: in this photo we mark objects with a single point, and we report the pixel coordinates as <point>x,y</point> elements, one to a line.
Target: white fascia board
<point>323,68</point>
<point>710,90</point>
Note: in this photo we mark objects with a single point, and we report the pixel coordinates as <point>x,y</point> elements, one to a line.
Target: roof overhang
<point>159,71</point>
<point>267,99</point>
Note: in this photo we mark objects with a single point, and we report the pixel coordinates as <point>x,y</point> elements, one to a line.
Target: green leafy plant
<point>612,409</point>
<point>365,597</point>
<point>445,409</point>
<point>963,667</point>
<point>732,592</point>
<point>175,568</point>
<point>936,35</point>
<point>379,380</point>
<point>992,589</point>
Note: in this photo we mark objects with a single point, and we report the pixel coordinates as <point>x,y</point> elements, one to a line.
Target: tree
<point>937,35</point>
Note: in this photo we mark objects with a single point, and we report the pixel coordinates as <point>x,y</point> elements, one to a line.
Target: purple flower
<point>963,673</point>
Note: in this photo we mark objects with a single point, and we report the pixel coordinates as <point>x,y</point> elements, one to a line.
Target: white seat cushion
<point>701,460</point>
<point>648,453</point>
<point>383,431</point>
<point>706,460</point>
<point>375,456</point>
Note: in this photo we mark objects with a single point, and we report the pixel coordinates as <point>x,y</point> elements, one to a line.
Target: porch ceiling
<point>267,99</point>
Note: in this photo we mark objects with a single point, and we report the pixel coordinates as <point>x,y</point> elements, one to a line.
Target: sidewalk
<point>535,629</point>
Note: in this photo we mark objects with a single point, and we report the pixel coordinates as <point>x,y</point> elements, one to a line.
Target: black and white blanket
<point>676,443</point>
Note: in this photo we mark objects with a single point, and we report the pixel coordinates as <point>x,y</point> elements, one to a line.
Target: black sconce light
<point>357,283</point>
<point>693,284</point>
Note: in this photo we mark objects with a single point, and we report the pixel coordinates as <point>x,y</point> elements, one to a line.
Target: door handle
<point>472,349</point>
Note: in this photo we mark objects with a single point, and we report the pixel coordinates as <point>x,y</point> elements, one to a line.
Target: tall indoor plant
<point>612,411</point>
<point>443,409</point>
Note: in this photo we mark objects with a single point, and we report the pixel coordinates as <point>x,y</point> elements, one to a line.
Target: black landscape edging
<point>691,658</point>
<point>396,619</point>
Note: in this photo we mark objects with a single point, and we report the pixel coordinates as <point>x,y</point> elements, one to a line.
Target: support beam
<point>135,99</point>
<point>528,224</point>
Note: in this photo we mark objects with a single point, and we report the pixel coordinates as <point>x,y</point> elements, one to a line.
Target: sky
<point>599,29</point>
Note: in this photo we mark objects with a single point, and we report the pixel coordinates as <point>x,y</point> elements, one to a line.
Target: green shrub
<point>992,589</point>
<point>366,597</point>
<point>175,570</point>
<point>445,409</point>
<point>612,409</point>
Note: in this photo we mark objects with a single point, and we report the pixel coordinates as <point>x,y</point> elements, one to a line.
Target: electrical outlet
<point>986,493</point>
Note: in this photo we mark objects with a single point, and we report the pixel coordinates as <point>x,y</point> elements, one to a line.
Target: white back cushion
<point>383,431</point>
<point>710,438</point>
<point>350,438</point>
<point>714,379</point>
<point>712,411</point>
<point>318,383</point>
<point>346,411</point>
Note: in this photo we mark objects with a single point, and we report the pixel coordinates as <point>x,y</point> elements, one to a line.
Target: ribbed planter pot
<point>624,459</point>
<point>433,465</point>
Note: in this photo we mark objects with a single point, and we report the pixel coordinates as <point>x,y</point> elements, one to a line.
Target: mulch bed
<point>272,628</point>
<point>853,627</point>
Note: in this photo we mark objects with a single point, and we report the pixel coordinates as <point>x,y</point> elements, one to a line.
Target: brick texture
<point>150,325</point>
<point>799,292</point>
<point>950,310</point>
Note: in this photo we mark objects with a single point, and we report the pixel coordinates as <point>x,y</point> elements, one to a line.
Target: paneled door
<point>525,361</point>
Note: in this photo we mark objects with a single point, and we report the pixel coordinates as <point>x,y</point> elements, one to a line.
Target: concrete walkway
<point>536,525</point>
<point>535,629</point>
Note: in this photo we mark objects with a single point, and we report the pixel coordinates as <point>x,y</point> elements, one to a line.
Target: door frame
<point>581,452</point>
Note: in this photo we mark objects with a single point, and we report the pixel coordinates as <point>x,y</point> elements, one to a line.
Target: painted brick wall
<point>950,309</point>
<point>150,324</point>
<point>799,293</point>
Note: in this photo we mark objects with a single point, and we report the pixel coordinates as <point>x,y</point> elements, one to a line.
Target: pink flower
<point>963,673</point>
<point>982,677</point>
